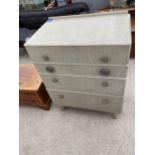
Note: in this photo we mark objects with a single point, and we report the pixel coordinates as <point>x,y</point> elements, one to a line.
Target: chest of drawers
<point>83,60</point>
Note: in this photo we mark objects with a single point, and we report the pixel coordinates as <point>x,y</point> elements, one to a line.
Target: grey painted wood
<point>87,101</point>
<point>76,54</point>
<point>111,28</point>
<point>85,84</point>
<point>83,69</point>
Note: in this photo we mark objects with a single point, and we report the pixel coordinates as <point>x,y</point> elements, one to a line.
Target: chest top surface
<point>84,30</point>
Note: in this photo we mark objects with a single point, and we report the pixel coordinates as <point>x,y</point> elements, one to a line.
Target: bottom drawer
<point>87,100</point>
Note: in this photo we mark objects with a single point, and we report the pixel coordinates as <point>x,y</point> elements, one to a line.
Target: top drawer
<point>116,54</point>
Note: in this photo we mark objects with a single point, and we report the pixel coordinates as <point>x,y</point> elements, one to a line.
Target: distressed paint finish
<point>85,63</point>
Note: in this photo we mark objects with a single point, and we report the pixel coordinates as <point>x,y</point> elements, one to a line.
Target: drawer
<point>85,84</point>
<point>115,54</point>
<point>87,101</point>
<point>94,70</point>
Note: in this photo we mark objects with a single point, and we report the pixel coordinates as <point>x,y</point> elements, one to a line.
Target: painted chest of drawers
<point>83,60</point>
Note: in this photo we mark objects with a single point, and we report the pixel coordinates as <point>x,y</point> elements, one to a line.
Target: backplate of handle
<point>61,96</point>
<point>105,84</point>
<point>105,101</point>
<point>50,69</point>
<point>104,59</point>
<point>55,80</point>
<point>45,58</point>
<point>104,71</point>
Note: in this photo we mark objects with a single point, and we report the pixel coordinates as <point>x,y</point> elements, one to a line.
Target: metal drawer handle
<point>104,71</point>
<point>55,80</point>
<point>61,96</point>
<point>50,69</point>
<point>104,59</point>
<point>105,101</point>
<point>105,84</point>
<point>46,57</point>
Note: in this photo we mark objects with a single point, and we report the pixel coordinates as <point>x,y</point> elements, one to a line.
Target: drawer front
<point>85,84</point>
<point>87,101</point>
<point>89,55</point>
<point>105,71</point>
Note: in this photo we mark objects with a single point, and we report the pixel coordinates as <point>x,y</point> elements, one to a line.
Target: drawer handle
<point>104,59</point>
<point>105,101</point>
<point>50,69</point>
<point>46,57</point>
<point>105,84</point>
<point>55,80</point>
<point>61,96</point>
<point>104,71</point>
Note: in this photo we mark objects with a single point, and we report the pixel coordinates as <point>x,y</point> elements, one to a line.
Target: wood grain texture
<point>87,101</point>
<point>29,78</point>
<point>84,30</point>
<point>90,84</point>
<point>31,88</point>
<point>131,11</point>
<point>82,69</point>
<point>117,55</point>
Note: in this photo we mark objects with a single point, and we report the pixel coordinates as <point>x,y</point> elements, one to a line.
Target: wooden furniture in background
<point>132,13</point>
<point>31,88</point>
